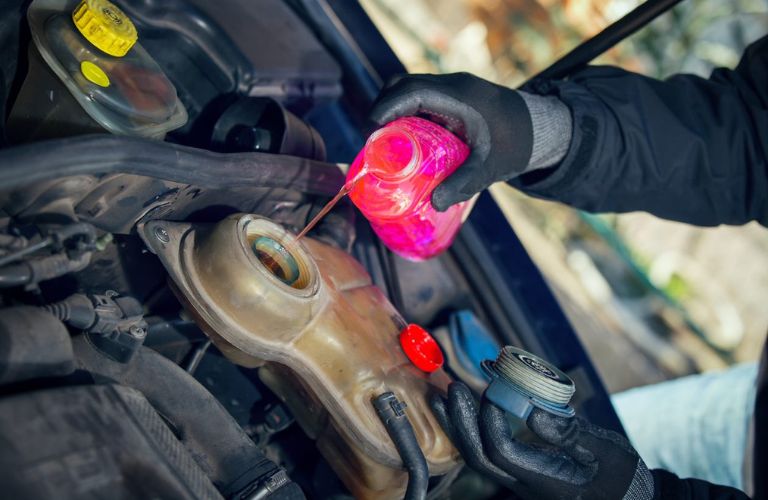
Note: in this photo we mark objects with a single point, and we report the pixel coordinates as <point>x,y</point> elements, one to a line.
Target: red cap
<point>421,348</point>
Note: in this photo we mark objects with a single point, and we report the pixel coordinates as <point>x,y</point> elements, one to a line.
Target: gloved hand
<point>509,132</point>
<point>580,460</point>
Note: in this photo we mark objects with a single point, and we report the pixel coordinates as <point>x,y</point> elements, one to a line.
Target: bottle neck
<point>392,153</point>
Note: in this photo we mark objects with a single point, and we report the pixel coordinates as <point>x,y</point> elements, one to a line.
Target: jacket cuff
<point>589,118</point>
<point>552,130</point>
<point>668,486</point>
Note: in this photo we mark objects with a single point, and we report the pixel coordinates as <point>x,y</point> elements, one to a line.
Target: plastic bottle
<point>392,179</point>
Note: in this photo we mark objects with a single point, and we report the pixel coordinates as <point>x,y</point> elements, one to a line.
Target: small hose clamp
<point>521,380</point>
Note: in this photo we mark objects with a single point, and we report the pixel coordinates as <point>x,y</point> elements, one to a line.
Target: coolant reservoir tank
<point>89,52</point>
<point>327,340</point>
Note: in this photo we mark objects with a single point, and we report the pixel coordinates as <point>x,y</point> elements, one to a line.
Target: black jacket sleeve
<point>668,486</point>
<point>687,148</point>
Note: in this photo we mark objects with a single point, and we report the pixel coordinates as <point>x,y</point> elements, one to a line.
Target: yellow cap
<point>94,74</point>
<point>106,26</point>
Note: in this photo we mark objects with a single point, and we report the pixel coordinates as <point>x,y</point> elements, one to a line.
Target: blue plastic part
<point>517,401</point>
<point>513,402</point>
<point>472,342</point>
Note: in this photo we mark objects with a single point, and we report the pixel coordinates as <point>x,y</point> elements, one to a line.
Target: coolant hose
<point>217,443</point>
<point>392,415</point>
<point>109,154</point>
<point>15,275</point>
<point>37,270</point>
<point>60,235</point>
<point>33,344</point>
<point>100,155</point>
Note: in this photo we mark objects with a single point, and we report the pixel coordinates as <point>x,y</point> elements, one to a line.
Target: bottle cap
<point>521,380</point>
<point>106,26</point>
<point>421,348</point>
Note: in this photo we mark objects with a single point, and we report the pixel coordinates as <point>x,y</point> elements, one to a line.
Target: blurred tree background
<point>651,299</point>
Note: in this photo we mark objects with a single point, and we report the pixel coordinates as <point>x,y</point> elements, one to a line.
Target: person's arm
<point>687,148</point>
<point>607,140</point>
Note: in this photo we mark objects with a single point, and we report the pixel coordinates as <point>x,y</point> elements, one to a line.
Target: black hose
<point>23,252</point>
<point>217,443</point>
<point>392,415</point>
<point>34,271</point>
<point>34,345</point>
<point>107,154</point>
<point>76,311</point>
<point>15,275</point>
<point>51,266</point>
<point>77,229</point>
<point>610,36</point>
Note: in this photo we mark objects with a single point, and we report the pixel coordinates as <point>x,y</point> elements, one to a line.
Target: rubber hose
<point>99,155</point>
<point>107,154</point>
<point>392,415</point>
<point>218,444</point>
<point>76,310</point>
<point>77,229</point>
<point>33,344</point>
<point>16,275</point>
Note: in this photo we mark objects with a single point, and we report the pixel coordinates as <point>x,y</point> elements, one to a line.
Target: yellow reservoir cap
<point>94,74</point>
<point>106,26</point>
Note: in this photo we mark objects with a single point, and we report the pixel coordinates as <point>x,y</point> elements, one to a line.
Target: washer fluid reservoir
<point>327,341</point>
<point>89,73</point>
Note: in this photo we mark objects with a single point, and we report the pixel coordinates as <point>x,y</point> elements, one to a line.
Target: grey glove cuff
<point>552,130</point>
<point>642,484</point>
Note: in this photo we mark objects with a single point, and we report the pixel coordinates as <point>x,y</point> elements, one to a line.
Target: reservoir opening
<point>279,254</point>
<point>276,259</point>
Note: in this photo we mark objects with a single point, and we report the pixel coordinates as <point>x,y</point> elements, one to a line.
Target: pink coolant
<point>392,179</point>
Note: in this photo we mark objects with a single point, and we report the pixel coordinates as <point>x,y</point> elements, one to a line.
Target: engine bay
<point>163,333</point>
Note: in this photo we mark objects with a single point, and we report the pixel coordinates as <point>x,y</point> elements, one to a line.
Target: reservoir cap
<point>421,348</point>
<point>521,380</point>
<point>106,26</point>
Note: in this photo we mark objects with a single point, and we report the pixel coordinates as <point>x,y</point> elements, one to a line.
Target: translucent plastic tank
<point>326,339</point>
<point>92,49</point>
<point>394,176</point>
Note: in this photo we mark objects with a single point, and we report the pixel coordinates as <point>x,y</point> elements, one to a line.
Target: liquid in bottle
<point>392,179</point>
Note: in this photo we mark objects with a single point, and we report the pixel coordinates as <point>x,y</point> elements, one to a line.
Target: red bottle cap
<point>421,348</point>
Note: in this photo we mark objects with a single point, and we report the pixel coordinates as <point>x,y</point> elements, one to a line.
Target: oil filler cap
<point>106,26</point>
<point>421,348</point>
<point>521,381</point>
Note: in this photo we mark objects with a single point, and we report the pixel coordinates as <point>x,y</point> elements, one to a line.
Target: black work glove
<point>494,121</point>
<point>579,460</point>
